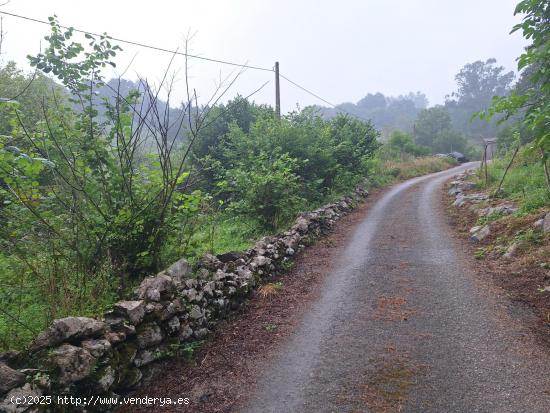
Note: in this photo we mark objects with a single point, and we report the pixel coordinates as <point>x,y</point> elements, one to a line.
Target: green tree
<point>532,98</point>
<point>403,143</point>
<point>31,92</point>
<point>434,129</point>
<point>430,123</point>
<point>477,83</point>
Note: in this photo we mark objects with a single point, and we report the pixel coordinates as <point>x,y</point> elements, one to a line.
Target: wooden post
<point>486,174</point>
<point>505,172</point>
<point>277,92</point>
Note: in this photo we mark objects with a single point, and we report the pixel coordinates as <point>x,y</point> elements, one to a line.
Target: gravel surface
<point>404,324</point>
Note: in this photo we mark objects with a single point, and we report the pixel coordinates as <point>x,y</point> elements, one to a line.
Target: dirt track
<point>401,322</point>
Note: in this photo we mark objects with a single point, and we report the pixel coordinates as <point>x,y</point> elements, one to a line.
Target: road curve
<point>403,324</point>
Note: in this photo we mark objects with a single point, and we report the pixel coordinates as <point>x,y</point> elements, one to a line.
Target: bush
<point>265,187</point>
<point>271,170</point>
<point>403,143</point>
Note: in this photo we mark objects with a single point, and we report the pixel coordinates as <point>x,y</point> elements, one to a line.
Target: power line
<point>160,49</point>
<point>318,97</point>
<point>307,91</point>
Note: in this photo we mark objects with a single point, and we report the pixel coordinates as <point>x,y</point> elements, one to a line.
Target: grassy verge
<point>389,171</point>
<point>516,252</point>
<point>232,233</point>
<point>524,184</point>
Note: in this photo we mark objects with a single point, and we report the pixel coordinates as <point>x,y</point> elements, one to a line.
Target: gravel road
<point>405,324</point>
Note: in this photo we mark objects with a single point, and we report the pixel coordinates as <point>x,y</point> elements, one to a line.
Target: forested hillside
<point>441,128</point>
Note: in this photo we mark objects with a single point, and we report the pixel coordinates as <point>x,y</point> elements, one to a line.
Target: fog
<point>339,50</point>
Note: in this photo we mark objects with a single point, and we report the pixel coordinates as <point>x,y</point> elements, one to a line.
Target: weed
<point>480,253</point>
<point>529,235</point>
<point>270,289</point>
<point>271,327</point>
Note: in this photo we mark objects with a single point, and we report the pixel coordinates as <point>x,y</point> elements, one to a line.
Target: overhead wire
<point>176,52</point>
<point>139,44</point>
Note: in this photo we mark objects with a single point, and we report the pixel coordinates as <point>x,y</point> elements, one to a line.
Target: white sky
<point>341,50</point>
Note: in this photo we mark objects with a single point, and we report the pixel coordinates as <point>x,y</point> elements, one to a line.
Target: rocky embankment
<point>511,248</point>
<point>85,357</point>
<point>478,203</point>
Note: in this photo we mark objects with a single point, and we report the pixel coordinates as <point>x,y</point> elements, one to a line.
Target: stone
<point>123,355</point>
<point>173,325</point>
<point>546,223</point>
<point>480,234</point>
<point>115,337</point>
<point>159,287</point>
<point>221,303</point>
<point>219,275</point>
<point>9,378</point>
<point>290,251</point>
<point>191,283</point>
<point>186,332</point>
<point>174,307</point>
<point>105,378</point>
<point>459,201</point>
<point>462,199</point>
<point>513,249</point>
<point>148,335</point>
<point>209,288</point>
<point>9,356</point>
<point>192,295</point>
<point>179,271</point>
<point>539,224</point>
<point>26,392</point>
<point>134,311</point>
<point>201,333</point>
<point>68,329</point>
<point>244,273</point>
<point>230,256</point>
<point>153,307</point>
<point>129,378</point>
<point>165,310</point>
<point>144,357</point>
<point>260,245</point>
<point>301,224</point>
<point>503,209</point>
<point>210,262</point>
<point>195,313</point>
<point>291,241</point>
<point>119,324</point>
<point>73,363</point>
<point>96,347</point>
<point>260,261</point>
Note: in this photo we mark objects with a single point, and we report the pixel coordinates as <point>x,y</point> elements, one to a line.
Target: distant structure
<point>489,145</point>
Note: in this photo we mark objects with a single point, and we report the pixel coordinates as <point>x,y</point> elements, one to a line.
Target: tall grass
<point>211,232</point>
<point>524,184</point>
<point>392,170</point>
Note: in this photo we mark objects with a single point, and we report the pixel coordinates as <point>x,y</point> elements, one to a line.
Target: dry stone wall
<point>86,357</point>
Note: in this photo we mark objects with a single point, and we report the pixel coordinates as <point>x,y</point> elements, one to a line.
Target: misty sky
<point>341,50</point>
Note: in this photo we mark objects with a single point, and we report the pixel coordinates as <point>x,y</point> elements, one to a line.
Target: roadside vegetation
<point>524,183</point>
<point>510,222</point>
<point>102,183</point>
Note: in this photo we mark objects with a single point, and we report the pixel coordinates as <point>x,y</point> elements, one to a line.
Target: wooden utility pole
<point>277,92</point>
